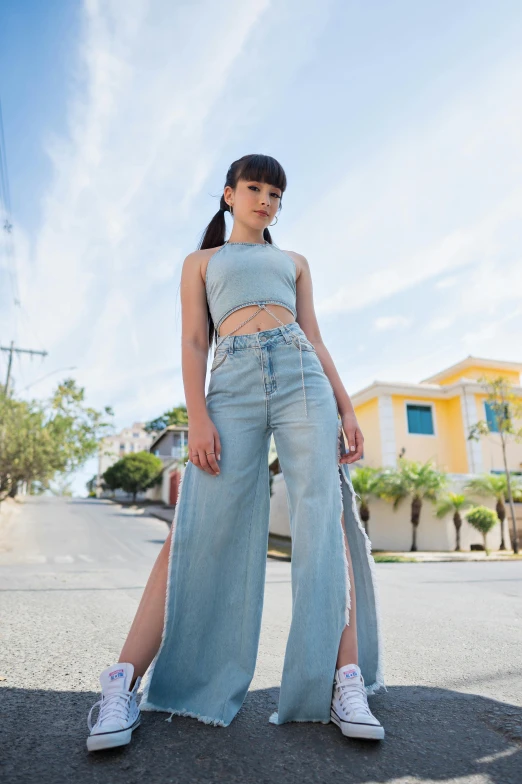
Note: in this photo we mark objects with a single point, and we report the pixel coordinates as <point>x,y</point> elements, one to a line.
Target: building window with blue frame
<point>420,419</point>
<point>491,417</point>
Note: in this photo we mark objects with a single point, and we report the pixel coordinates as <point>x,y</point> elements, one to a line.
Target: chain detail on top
<point>296,340</point>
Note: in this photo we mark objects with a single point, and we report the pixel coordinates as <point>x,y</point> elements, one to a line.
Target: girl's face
<point>254,203</point>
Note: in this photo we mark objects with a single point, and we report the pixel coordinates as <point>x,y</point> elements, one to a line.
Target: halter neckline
<point>248,243</point>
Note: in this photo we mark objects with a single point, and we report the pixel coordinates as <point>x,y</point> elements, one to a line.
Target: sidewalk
<point>165,513</point>
<point>9,510</point>
<point>281,549</point>
<point>424,556</point>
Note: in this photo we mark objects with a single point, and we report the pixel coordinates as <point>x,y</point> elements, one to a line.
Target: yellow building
<point>432,419</point>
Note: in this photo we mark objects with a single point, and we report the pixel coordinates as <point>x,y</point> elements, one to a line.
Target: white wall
<point>161,492</point>
<point>279,519</point>
<point>154,493</point>
<point>389,530</point>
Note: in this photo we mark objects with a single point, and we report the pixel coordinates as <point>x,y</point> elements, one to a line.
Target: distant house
<point>171,446</point>
<point>171,443</point>
<point>128,441</point>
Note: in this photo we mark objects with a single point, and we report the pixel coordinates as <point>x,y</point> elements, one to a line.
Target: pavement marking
<point>497,755</point>
<point>116,558</point>
<point>86,558</point>
<point>63,559</point>
<point>35,559</point>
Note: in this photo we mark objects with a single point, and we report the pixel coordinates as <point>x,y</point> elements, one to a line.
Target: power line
<point>58,370</point>
<point>12,350</point>
<point>7,224</point>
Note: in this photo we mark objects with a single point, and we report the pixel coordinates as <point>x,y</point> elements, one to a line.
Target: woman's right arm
<point>203,436</point>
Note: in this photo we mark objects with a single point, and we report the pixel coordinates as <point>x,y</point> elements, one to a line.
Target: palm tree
<point>413,479</point>
<point>453,502</point>
<point>365,481</point>
<point>506,408</point>
<point>495,485</point>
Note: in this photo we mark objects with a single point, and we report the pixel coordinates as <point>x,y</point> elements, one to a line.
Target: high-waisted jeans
<point>218,553</point>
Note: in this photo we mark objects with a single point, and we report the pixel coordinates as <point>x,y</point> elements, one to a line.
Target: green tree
<point>41,441</point>
<point>175,416</point>
<point>506,408</point>
<point>134,473</point>
<point>111,479</point>
<point>494,486</point>
<point>91,486</point>
<point>482,519</point>
<point>366,483</point>
<point>453,503</point>
<point>415,480</point>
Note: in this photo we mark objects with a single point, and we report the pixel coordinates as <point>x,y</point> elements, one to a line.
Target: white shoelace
<point>111,706</point>
<point>355,695</point>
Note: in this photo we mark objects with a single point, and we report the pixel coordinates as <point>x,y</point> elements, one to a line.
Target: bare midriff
<point>262,321</point>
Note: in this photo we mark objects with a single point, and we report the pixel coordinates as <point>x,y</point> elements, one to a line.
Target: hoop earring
<point>273,224</point>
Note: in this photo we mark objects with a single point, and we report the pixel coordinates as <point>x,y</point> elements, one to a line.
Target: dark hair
<point>260,168</point>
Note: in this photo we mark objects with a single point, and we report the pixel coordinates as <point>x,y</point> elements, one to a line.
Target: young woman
<point>197,627</point>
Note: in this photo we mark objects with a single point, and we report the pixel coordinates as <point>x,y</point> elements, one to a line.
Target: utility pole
<point>12,350</point>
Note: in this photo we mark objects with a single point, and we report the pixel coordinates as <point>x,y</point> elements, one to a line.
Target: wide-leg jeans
<point>263,383</point>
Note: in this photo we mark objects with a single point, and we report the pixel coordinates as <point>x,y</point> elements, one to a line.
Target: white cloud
<point>447,283</point>
<point>443,198</point>
<point>160,90</point>
<point>391,322</point>
<point>439,324</point>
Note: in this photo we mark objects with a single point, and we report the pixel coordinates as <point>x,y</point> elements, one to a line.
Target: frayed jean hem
<point>148,706</point>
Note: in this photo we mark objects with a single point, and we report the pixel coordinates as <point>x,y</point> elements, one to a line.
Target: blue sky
<point>398,124</point>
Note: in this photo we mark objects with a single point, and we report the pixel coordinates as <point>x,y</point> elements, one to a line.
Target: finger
<point>197,463</point>
<point>213,462</point>
<point>204,462</point>
<point>352,443</point>
<point>359,443</point>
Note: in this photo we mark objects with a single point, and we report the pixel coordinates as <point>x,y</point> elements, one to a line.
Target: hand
<point>355,439</point>
<point>204,445</point>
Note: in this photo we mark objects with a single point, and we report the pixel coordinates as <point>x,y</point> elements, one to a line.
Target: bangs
<point>263,168</point>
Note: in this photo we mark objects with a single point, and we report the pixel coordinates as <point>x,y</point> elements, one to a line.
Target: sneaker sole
<point>363,731</point>
<point>111,740</point>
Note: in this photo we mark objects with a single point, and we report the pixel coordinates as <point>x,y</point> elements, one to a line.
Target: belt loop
<point>287,334</point>
<point>232,344</point>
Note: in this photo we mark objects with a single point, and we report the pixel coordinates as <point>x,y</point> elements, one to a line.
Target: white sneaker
<point>350,710</point>
<point>119,712</point>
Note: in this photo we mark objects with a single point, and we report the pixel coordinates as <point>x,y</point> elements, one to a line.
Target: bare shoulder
<point>199,259</point>
<point>301,262</point>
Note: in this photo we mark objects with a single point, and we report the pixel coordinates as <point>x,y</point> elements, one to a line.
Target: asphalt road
<point>71,575</point>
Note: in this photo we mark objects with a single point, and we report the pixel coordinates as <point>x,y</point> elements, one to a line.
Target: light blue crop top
<point>249,273</point>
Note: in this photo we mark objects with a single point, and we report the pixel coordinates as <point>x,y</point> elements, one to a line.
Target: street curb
<point>445,557</point>
<point>160,515</point>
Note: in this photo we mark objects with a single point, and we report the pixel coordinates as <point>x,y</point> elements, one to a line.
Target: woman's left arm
<point>308,322</point>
